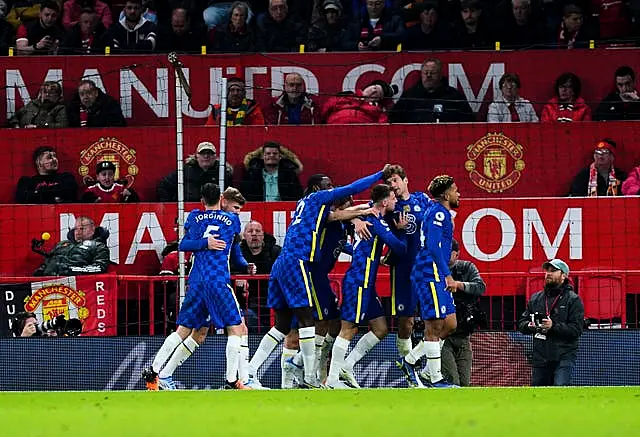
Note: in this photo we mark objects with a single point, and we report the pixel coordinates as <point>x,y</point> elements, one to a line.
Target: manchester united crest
<point>494,162</point>
<point>55,300</point>
<point>113,150</point>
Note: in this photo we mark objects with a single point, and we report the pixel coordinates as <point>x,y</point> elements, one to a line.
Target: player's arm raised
<point>349,213</point>
<point>330,196</point>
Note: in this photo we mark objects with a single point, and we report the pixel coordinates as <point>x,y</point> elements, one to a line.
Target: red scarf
<point>614,184</point>
<point>365,33</point>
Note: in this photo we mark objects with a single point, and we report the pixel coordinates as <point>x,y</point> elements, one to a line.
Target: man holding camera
<point>555,317</point>
<point>456,352</point>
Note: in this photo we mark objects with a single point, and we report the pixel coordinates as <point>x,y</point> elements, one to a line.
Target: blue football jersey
<point>333,242</point>
<point>415,207</point>
<point>366,253</point>
<point>302,241</point>
<point>209,264</point>
<point>436,233</point>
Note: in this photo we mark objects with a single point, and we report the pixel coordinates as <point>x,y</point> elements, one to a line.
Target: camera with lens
<point>60,324</point>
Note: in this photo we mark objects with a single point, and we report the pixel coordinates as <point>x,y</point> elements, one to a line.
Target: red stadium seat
<point>604,298</point>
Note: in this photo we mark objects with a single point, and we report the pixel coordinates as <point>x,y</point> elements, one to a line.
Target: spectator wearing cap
<point>199,169</point>
<point>369,105</point>
<point>271,174</point>
<point>509,106</point>
<point>555,318</point>
<point>631,185</point>
<point>624,102</point>
<point>240,110</point>
<point>106,189</point>
<point>473,30</point>
<point>48,186</point>
<point>45,111</point>
<point>378,29</point>
<point>294,105</point>
<point>601,178</point>
<point>90,107</point>
<point>329,33</point>
<point>567,105</point>
<point>236,36</point>
<point>431,33</point>
<point>278,30</point>
<point>431,100</point>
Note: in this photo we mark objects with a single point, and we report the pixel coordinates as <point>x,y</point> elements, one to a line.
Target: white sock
<point>318,344</point>
<point>182,352</point>
<point>287,378</point>
<point>416,353</point>
<point>308,350</point>
<point>404,346</point>
<point>233,357</point>
<point>297,359</point>
<point>433,360</point>
<point>243,366</point>
<point>324,357</point>
<point>168,347</point>
<point>338,352</point>
<point>266,346</point>
<point>364,345</point>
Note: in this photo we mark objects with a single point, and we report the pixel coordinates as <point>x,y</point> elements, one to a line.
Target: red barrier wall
<point>500,236</point>
<point>145,84</point>
<point>548,158</point>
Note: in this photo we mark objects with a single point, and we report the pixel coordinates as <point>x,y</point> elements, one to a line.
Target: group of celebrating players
<point>418,232</point>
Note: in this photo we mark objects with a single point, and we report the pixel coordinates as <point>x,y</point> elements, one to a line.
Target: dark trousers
<point>457,357</point>
<point>552,373</point>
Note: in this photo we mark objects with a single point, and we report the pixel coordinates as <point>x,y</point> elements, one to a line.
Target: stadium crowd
<point>143,26</point>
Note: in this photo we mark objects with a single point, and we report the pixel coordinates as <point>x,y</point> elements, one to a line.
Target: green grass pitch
<point>476,412</point>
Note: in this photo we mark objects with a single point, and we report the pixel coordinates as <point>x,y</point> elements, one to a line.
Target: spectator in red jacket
<point>73,8</point>
<point>367,106</point>
<point>294,105</point>
<point>567,105</point>
<point>106,189</point>
<point>631,186</point>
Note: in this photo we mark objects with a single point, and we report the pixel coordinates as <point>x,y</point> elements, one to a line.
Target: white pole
<point>223,135</point>
<point>180,169</point>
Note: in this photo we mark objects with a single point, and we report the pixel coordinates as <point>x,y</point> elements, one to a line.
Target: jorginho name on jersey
<point>200,225</point>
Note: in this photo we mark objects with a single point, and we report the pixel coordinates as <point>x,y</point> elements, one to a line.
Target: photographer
<point>26,325</point>
<point>555,317</point>
<point>456,352</point>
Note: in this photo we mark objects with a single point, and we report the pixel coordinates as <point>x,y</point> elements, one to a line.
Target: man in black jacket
<point>555,317</point>
<point>199,169</point>
<point>624,102</point>
<point>48,186</point>
<point>456,352</point>
<point>90,107</point>
<point>431,100</point>
<point>271,174</point>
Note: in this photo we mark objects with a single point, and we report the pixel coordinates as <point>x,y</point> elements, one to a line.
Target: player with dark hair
<point>412,206</point>
<point>290,285</point>
<point>360,302</point>
<point>433,283</point>
<point>210,235</point>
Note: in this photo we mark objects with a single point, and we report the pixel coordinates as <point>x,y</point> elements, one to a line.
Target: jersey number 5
<point>210,231</point>
<point>297,215</point>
